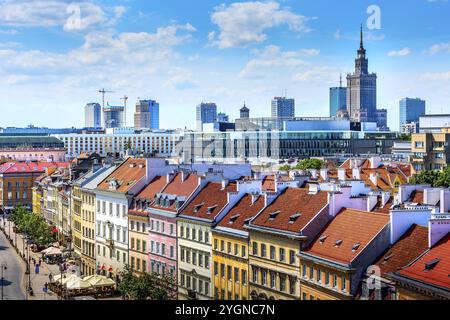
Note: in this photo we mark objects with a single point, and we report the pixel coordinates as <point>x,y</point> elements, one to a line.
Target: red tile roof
<point>339,240</point>
<point>30,167</point>
<point>244,210</point>
<point>408,248</point>
<point>154,187</point>
<point>438,270</point>
<point>364,165</point>
<point>209,201</point>
<point>386,208</point>
<point>292,210</point>
<point>127,175</point>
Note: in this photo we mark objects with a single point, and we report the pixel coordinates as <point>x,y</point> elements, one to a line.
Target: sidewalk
<point>37,280</point>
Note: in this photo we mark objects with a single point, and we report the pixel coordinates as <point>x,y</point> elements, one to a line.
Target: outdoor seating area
<point>69,285</point>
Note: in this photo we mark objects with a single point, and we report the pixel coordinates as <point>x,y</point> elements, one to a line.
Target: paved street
<point>12,286</point>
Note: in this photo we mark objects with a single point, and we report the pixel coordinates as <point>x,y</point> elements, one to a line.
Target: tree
<point>285,167</point>
<point>310,164</point>
<point>434,178</point>
<point>33,225</point>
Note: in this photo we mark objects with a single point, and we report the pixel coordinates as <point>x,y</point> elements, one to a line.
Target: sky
<point>55,55</point>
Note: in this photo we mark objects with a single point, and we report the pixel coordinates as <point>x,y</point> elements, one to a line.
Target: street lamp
<point>3,268</point>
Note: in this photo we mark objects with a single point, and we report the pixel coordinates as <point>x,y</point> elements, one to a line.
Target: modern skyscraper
<point>146,115</point>
<point>382,119</point>
<point>283,107</point>
<point>93,115</point>
<point>362,89</point>
<point>223,117</point>
<point>206,113</point>
<point>410,110</point>
<point>114,116</point>
<point>338,98</point>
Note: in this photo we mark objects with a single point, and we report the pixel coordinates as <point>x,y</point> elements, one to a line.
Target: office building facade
<point>411,110</point>
<point>283,108</point>
<point>206,113</point>
<point>338,100</point>
<point>93,115</point>
<point>146,115</point>
<point>114,117</point>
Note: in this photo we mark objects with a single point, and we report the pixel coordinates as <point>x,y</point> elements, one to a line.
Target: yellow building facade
<point>76,219</point>
<point>87,232</point>
<point>230,266</point>
<point>430,151</point>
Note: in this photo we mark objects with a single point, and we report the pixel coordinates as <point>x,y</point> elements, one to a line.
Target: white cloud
<point>70,15</point>
<point>337,34</point>
<point>437,48</point>
<point>399,53</point>
<point>321,74</point>
<point>181,79</point>
<point>435,76</point>
<point>9,32</point>
<point>243,23</point>
<point>272,58</point>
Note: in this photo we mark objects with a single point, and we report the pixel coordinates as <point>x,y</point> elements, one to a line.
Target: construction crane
<point>103,92</point>
<point>125,98</point>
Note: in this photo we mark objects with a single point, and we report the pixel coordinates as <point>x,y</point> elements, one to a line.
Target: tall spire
<point>361,35</point>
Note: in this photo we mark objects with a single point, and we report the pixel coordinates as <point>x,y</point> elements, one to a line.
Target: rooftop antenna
<point>340,80</point>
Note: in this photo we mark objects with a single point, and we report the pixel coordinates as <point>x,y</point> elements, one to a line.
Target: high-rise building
<point>114,116</point>
<point>206,113</point>
<point>244,112</point>
<point>362,89</point>
<point>338,99</point>
<point>381,119</point>
<point>223,117</point>
<point>410,110</point>
<point>283,107</point>
<point>146,115</point>
<point>93,115</point>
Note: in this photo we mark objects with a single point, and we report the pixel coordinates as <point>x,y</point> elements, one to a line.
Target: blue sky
<point>55,55</point>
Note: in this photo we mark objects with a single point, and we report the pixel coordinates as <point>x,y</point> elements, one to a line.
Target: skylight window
<point>338,243</point>
<point>273,215</point>
<point>431,264</point>
<point>294,217</point>
<point>323,238</point>
<point>356,246</point>
<point>211,209</point>
<point>198,206</point>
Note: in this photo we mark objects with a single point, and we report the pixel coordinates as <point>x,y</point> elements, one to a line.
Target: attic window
<point>247,221</point>
<point>132,165</point>
<point>388,257</point>
<point>273,215</point>
<point>198,206</point>
<point>323,238</point>
<point>356,246</point>
<point>233,218</point>
<point>294,217</point>
<point>338,243</point>
<point>141,165</point>
<point>431,264</point>
<point>211,209</point>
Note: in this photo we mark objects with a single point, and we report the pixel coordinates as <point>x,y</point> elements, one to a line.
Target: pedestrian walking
<point>50,277</point>
<point>40,261</point>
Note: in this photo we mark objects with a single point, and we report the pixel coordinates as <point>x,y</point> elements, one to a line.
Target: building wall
<point>194,255</point>
<point>230,266</point>
<point>76,220</point>
<point>88,232</point>
<point>138,243</point>
<point>55,154</point>
<point>16,189</point>
<point>431,151</point>
<point>283,271</point>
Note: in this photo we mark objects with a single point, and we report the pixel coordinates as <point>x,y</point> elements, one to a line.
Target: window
<point>138,227</point>
<point>124,257</point>
<point>327,279</point>
<point>292,285</point>
<point>132,225</point>
<point>206,237</point>
<point>282,283</point>
<point>222,245</point>
<point>222,270</point>
<point>200,259</point>
<point>117,210</point>
<point>311,273</point>
<point>183,281</point>
<point>334,281</point>
<point>292,257</point>
<point>343,283</point>
<point>181,231</point>
<point>263,250</point>
<point>215,244</point>
<point>304,296</point>
<point>144,265</point>
<point>255,248</point>
<point>229,273</point>
<point>163,249</point>
<point>132,243</point>
<point>255,275</point>
<point>182,254</point>
<point>200,285</point>
<point>272,252</point>
<point>187,233</point>
<point>206,261</point>
<point>319,276</point>
<point>244,277</point>
<point>194,258</point>
<point>144,246</point>
<point>236,249</point>
<point>200,235</point>
<point>243,251</point>
<point>171,229</point>
<point>272,279</point>
<point>216,268</point>
<point>172,251</point>
<point>194,234</point>
<point>282,255</point>
<point>304,270</point>
<point>229,247</point>
<point>206,288</point>
<point>236,274</point>
<point>263,277</point>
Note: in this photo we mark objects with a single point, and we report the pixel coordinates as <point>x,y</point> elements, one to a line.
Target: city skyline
<point>195,53</point>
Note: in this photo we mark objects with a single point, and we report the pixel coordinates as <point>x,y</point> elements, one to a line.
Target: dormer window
<point>338,243</point>
<point>322,239</point>
<point>431,264</point>
<point>211,209</point>
<point>198,206</point>
<point>294,217</point>
<point>273,215</point>
<point>356,246</point>
<point>233,218</point>
<point>247,221</point>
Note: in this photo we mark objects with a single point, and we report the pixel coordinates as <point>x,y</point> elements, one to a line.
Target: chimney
<point>445,201</point>
<point>374,178</point>
<point>372,200</point>
<point>375,162</point>
<point>385,197</point>
<point>324,174</point>
<point>313,173</point>
<point>356,173</point>
<point>313,188</point>
<point>438,227</point>
<point>342,174</point>
<point>224,184</point>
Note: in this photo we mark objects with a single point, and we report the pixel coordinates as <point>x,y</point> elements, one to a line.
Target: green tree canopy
<point>310,164</point>
<point>434,178</point>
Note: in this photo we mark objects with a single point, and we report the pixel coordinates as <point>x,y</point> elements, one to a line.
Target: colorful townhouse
<point>83,216</point>
<point>179,188</point>
<point>230,249</point>
<point>138,225</point>
<point>333,265</point>
<point>277,235</point>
